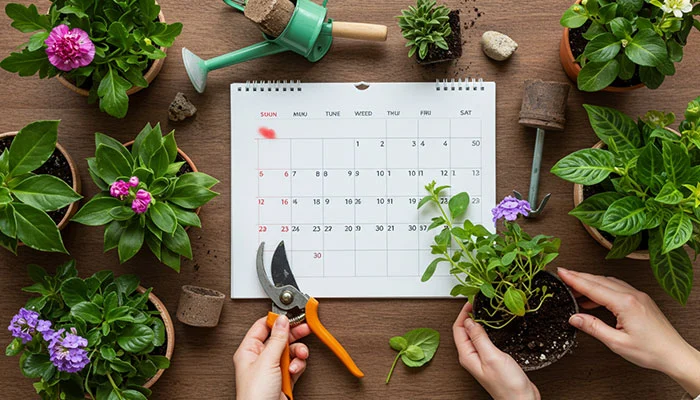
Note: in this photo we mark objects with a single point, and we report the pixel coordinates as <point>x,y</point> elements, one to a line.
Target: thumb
<point>610,336</point>
<point>278,340</point>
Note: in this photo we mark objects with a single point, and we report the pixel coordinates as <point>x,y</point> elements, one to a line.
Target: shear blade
<point>281,271</point>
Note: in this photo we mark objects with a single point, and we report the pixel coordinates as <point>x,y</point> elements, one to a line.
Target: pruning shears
<point>288,300</point>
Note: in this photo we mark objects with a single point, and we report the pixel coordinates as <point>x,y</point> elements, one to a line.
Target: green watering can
<point>307,33</point>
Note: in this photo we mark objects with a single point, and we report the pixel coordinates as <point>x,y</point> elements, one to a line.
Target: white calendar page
<point>337,172</point>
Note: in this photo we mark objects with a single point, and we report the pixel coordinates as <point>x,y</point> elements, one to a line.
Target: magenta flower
<point>134,181</point>
<point>141,202</point>
<point>69,49</point>
<point>119,189</point>
<point>509,208</point>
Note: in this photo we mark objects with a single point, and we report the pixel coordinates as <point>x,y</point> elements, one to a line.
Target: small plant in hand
<point>629,40</point>
<point>26,196</point>
<point>647,189</point>
<point>500,267</point>
<point>415,348</point>
<point>430,30</point>
<point>144,196</point>
<point>105,47</point>
<point>94,337</point>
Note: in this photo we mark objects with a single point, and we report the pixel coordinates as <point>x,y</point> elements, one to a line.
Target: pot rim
<point>150,74</point>
<point>77,186</point>
<point>169,330</point>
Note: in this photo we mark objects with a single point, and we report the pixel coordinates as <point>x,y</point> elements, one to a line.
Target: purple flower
<point>510,208</point>
<point>141,202</point>
<point>119,189</point>
<point>69,49</point>
<point>67,350</point>
<point>24,324</point>
<point>134,181</point>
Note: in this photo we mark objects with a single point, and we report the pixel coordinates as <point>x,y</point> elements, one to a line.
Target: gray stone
<point>181,108</point>
<point>497,45</point>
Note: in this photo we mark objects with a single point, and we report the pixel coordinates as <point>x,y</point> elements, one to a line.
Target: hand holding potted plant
<point>640,187</point>
<point>524,308</point>
<point>618,45</point>
<point>38,188</point>
<point>432,32</point>
<point>97,338</point>
<point>148,195</point>
<point>104,50</point>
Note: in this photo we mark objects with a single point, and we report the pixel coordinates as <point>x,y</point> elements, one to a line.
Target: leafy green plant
<point>122,45</point>
<point>144,197</point>
<point>648,180</point>
<point>415,348</point>
<point>115,336</point>
<point>631,37</point>
<point>425,25</point>
<point>499,266</point>
<point>25,197</point>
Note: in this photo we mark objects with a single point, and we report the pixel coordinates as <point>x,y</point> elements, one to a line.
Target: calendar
<point>336,171</point>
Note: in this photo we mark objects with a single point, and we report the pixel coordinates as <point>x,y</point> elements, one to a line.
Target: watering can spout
<point>196,70</point>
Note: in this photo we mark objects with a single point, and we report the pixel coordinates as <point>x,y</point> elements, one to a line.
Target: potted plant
<point>149,194</point>
<point>39,185</point>
<point>96,338</point>
<point>524,309</point>
<point>640,188</point>
<point>432,32</point>
<point>623,45</point>
<point>105,51</point>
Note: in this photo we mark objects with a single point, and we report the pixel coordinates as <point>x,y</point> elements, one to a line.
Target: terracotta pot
<point>73,207</point>
<point>595,233</point>
<point>150,74</point>
<point>169,332</point>
<point>572,68</point>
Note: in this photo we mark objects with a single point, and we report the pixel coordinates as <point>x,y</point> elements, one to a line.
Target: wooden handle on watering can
<point>284,361</point>
<point>359,31</point>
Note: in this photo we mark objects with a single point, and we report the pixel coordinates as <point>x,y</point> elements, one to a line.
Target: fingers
<point>610,336</point>
<point>298,332</point>
<point>258,332</point>
<point>480,339</point>
<point>277,342</point>
<point>458,331</point>
<point>299,350</point>
<point>299,353</point>
<point>591,288</point>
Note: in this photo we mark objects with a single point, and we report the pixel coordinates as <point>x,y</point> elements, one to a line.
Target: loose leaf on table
<point>415,348</point>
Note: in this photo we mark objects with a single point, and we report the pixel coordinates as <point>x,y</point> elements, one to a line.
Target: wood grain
<point>202,367</point>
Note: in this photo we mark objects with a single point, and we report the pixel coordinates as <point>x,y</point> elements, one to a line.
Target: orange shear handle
<point>284,361</point>
<point>322,333</point>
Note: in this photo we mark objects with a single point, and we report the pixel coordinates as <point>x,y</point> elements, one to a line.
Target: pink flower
<point>69,49</point>
<point>119,189</point>
<point>141,202</point>
<point>134,181</point>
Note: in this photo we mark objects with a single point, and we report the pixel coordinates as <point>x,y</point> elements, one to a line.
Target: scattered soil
<point>57,166</point>
<point>606,186</point>
<point>436,54</point>
<point>540,338</point>
<point>578,44</point>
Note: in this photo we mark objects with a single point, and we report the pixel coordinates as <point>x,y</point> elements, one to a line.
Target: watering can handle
<point>237,4</point>
<point>355,30</point>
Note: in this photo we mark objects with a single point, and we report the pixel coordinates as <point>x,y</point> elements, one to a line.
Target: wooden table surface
<point>202,366</point>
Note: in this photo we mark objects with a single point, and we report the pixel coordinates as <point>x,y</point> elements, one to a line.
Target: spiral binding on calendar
<point>467,84</point>
<point>271,86</point>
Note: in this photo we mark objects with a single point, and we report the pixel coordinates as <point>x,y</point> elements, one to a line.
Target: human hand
<point>257,360</point>
<point>642,335</point>
<point>495,370</point>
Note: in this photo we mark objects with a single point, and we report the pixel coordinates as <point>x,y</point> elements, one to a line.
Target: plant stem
<point>114,386</point>
<point>391,371</point>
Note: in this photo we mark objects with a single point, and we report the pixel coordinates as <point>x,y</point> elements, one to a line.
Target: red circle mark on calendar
<point>267,133</point>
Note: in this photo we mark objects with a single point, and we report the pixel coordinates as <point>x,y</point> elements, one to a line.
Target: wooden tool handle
<point>284,361</point>
<point>354,30</point>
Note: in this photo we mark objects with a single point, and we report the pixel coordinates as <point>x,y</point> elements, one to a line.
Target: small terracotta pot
<point>200,307</point>
<point>169,332</point>
<point>73,207</point>
<point>595,233</point>
<point>150,74</point>
<point>572,68</point>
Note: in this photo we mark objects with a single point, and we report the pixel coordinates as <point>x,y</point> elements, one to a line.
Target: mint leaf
<point>415,348</point>
<point>112,92</point>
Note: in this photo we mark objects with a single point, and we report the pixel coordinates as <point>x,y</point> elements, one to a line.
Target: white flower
<point>677,7</point>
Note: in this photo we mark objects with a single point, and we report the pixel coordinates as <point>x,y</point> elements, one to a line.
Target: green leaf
<point>159,332</point>
<point>430,271</point>
<point>427,340</point>
<point>163,216</point>
<point>74,291</point>
<point>171,146</point>
<point>676,162</point>
<point>592,209</point>
<point>196,178</point>
<point>414,353</point>
<point>8,222</point>
<point>113,233</point>
<point>186,218</point>
<point>629,8</point>
<point>8,243</point>
<point>595,76</point>
<point>487,290</point>
<point>165,35</point>
<point>513,299</point>
<point>669,194</point>
<point>673,270</point>
<point>178,242</point>
<point>32,146</point>
<point>675,51</point>
<point>170,258</point>
<point>650,167</point>
<point>191,196</point>
<point>607,12</point>
<point>102,139</point>
<point>38,366</point>
<point>603,47</point>
<point>108,353</point>
<point>96,212</point>
<point>625,216</point>
<point>678,232</point>
<point>74,11</point>
<point>624,245</point>
<point>112,92</point>
<point>131,241</point>
<point>45,192</point>
<point>647,48</point>
<point>131,394</point>
<point>123,213</point>
<point>586,167</point>
<point>15,347</point>
<point>609,123</point>
<point>651,77</point>
<point>87,311</point>
<point>5,196</point>
<point>111,164</point>
<point>398,343</point>
<point>147,143</point>
<point>621,28</point>
<point>627,67</point>
<point>119,36</point>
<point>135,338</point>
<point>161,362</point>
<point>36,41</point>
<point>28,63</point>
<point>574,17</point>
<point>37,230</point>
<point>458,204</point>
<point>27,19</point>
<point>159,162</point>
